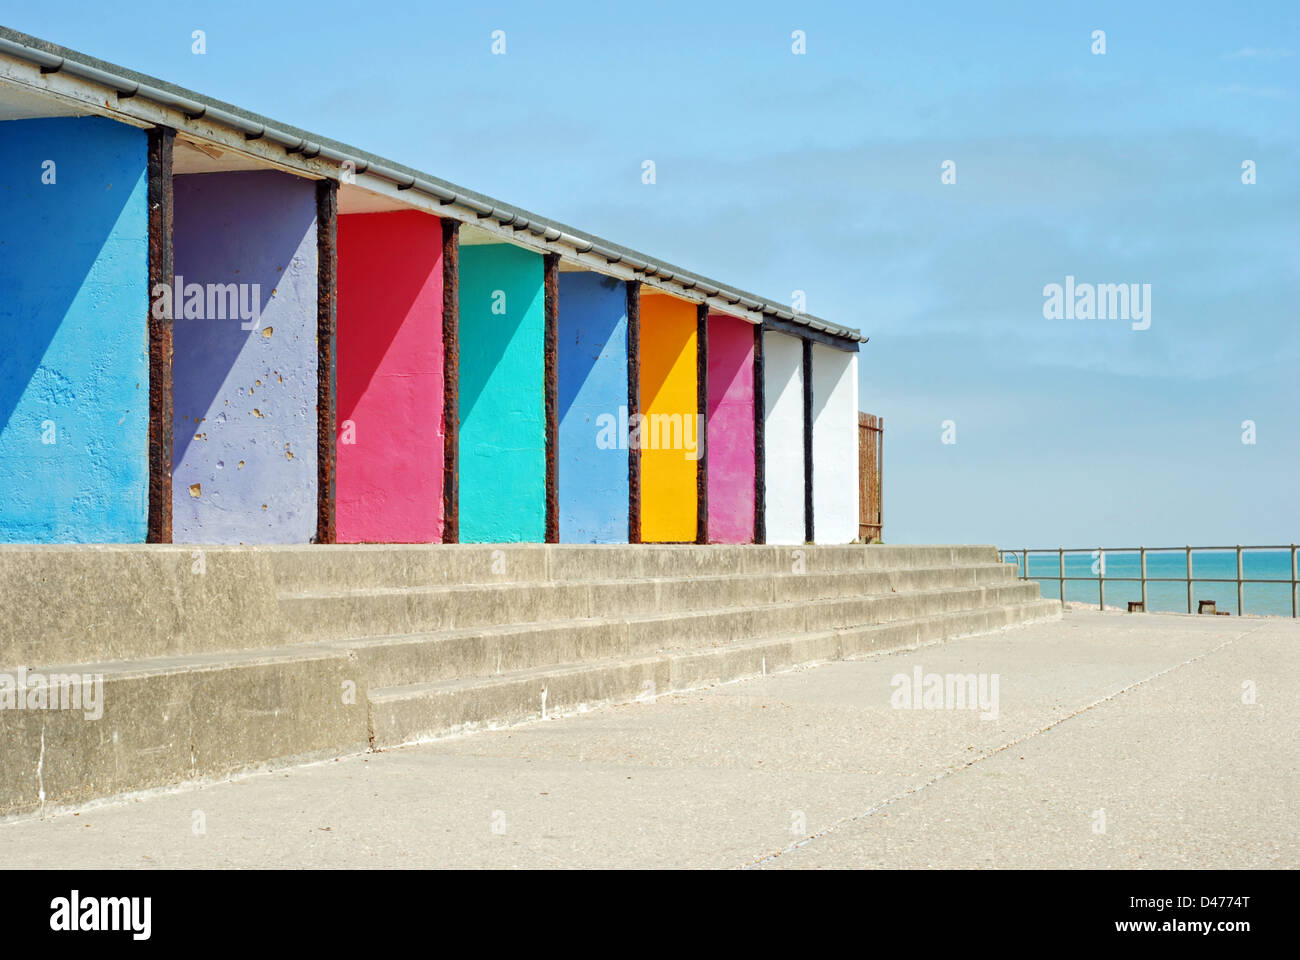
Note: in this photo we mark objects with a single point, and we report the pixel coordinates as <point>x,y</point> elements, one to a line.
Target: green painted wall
<point>502,406</point>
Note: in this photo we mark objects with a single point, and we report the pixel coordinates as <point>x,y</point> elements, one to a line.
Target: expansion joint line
<point>943,775</point>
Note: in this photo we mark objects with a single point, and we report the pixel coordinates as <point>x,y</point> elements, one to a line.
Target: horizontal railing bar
<point>1110,579</point>
<point>1284,546</point>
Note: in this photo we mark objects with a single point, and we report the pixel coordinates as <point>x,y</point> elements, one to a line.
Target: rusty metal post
<point>1189,579</point>
<point>161,143</point>
<point>702,422</point>
<point>809,529</point>
<point>760,453</point>
<point>551,265</point>
<point>634,411</point>
<point>1142,551</point>
<point>327,265</point>
<point>1060,569</point>
<point>450,381</point>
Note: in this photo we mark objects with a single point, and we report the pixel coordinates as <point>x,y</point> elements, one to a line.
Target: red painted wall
<point>731,430</point>
<point>389,487</point>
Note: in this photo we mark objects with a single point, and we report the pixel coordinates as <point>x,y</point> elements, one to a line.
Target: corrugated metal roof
<point>129,83</point>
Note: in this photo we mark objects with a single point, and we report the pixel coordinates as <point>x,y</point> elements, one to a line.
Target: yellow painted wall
<point>668,386</point>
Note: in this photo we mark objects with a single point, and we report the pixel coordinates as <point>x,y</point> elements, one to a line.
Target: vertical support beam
<point>327,270</point>
<point>634,411</point>
<point>808,528</point>
<point>551,350</point>
<point>702,434</point>
<point>161,400</point>
<point>760,456</point>
<point>450,381</point>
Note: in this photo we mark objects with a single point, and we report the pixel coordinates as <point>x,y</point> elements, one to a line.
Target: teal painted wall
<point>502,406</point>
<point>74,303</point>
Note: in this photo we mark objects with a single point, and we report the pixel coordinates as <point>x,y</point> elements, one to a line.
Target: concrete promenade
<point>1131,724</point>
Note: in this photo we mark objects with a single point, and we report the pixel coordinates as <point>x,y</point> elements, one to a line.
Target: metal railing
<point>1100,577</point>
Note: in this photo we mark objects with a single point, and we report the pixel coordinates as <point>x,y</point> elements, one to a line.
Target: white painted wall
<point>783,437</point>
<point>835,445</point>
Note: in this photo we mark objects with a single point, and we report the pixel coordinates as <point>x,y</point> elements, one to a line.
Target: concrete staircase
<point>218,659</point>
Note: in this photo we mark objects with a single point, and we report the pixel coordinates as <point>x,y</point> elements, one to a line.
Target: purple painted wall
<point>244,467</point>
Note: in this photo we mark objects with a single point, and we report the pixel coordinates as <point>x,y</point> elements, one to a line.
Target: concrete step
<point>156,722</point>
<point>316,567</point>
<point>378,611</point>
<point>67,603</point>
<point>207,661</point>
<point>484,651</point>
<point>413,712</point>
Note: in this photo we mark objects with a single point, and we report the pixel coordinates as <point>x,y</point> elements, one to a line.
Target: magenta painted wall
<point>731,430</point>
<point>390,378</point>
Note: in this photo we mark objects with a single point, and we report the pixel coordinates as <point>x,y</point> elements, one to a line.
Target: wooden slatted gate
<point>871,446</point>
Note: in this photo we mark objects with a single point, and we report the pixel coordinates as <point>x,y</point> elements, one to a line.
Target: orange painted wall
<point>668,388</point>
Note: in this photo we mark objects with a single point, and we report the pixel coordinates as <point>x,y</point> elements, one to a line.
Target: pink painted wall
<point>390,378</point>
<point>731,430</point>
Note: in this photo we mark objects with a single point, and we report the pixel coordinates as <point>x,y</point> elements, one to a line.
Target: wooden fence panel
<point>871,445</point>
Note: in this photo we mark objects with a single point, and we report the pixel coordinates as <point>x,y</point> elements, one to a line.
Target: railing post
<point>1239,586</point>
<point>1189,579</point>
<point>1142,552</point>
<point>1295,582</point>
<point>1101,579</point>
<point>1025,575</point>
<point>1060,569</point>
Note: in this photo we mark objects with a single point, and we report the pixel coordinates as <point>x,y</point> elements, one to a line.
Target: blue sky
<point>821,172</point>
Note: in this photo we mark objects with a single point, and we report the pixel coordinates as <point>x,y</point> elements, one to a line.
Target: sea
<point>1169,595</point>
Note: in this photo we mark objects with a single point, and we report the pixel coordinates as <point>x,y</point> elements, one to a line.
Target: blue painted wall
<point>593,386</point>
<point>244,461</point>
<point>502,405</point>
<point>74,304</point>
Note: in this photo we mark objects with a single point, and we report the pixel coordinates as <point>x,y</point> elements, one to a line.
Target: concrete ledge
<point>89,602</point>
<point>189,718</point>
<point>77,603</point>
